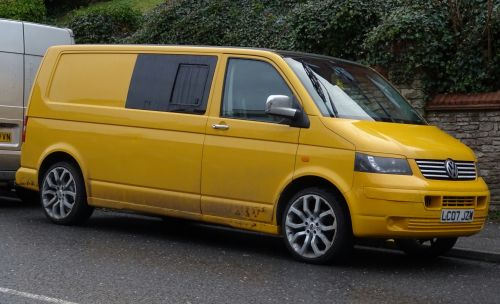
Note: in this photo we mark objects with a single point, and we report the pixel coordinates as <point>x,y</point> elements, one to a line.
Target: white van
<point>22,46</point>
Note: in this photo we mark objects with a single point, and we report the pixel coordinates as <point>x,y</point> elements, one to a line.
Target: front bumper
<point>410,206</point>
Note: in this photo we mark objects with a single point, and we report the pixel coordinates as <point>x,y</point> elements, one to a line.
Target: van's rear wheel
<point>63,196</point>
<point>426,248</point>
<point>316,227</point>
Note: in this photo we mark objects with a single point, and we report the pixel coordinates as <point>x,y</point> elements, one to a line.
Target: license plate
<point>457,215</point>
<point>5,137</point>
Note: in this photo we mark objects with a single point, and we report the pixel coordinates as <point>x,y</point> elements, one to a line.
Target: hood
<point>412,141</point>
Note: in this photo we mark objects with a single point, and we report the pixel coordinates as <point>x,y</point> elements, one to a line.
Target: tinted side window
<point>247,86</point>
<point>171,83</point>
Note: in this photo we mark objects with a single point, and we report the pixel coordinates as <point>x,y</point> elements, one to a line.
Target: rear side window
<point>171,83</point>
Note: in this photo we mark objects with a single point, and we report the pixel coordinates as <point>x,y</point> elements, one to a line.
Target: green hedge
<point>445,44</point>
<point>25,10</point>
<point>216,22</point>
<point>105,24</point>
<point>333,27</point>
<point>59,7</point>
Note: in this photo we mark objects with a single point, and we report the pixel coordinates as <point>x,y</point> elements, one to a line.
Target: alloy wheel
<point>58,193</point>
<point>311,226</point>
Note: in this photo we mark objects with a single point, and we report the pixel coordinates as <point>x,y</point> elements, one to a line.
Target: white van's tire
<point>27,196</point>
<point>426,248</point>
<point>316,227</point>
<point>63,196</point>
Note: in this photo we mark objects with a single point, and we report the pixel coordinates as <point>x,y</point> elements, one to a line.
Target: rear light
<point>25,123</point>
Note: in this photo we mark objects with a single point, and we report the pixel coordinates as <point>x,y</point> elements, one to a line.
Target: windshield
<point>346,90</point>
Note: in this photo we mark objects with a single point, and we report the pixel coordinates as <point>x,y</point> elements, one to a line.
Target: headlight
<point>385,165</point>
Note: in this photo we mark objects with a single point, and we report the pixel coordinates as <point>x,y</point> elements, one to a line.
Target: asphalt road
<point>123,258</point>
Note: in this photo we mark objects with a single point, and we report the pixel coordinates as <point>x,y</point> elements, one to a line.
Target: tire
<point>316,227</point>
<point>426,248</point>
<point>63,196</point>
<point>29,197</point>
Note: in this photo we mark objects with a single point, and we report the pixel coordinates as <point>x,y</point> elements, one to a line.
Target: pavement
<point>484,246</point>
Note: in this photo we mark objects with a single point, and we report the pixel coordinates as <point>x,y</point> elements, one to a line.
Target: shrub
<point>104,25</point>
<point>60,7</point>
<point>25,10</point>
<point>332,27</point>
<point>443,41</point>
<point>217,22</point>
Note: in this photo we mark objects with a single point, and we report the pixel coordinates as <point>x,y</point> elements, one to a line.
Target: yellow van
<point>317,149</point>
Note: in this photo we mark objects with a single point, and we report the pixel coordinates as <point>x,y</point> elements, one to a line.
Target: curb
<point>477,255</point>
<point>459,253</point>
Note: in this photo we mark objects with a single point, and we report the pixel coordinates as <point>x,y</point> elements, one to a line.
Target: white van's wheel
<point>426,248</point>
<point>316,228</point>
<point>27,196</point>
<point>62,193</point>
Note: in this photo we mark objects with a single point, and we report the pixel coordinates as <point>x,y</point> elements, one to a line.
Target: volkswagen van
<point>22,46</point>
<point>317,149</point>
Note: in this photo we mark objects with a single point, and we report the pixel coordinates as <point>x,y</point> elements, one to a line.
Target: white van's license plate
<point>457,215</point>
<point>5,137</point>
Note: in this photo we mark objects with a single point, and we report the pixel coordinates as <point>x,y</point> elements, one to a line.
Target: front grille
<point>435,169</point>
<point>459,201</point>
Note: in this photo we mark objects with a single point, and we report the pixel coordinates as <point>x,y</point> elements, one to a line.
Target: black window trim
<point>202,107</point>
<point>296,101</point>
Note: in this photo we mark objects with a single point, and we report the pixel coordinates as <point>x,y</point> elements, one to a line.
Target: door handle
<point>220,127</point>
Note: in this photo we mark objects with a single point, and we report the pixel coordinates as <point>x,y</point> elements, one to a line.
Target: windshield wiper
<point>317,86</point>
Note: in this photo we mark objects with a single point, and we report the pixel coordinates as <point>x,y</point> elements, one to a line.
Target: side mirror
<point>281,105</point>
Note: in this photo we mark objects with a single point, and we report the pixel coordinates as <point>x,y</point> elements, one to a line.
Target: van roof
<point>200,49</point>
<point>38,24</point>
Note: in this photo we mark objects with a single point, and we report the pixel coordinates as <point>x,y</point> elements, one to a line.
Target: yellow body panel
<point>176,164</point>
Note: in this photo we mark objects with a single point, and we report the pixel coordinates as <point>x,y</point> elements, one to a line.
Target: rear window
<point>171,83</point>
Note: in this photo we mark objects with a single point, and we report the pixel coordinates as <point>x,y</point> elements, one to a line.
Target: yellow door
<point>248,156</point>
<point>153,164</point>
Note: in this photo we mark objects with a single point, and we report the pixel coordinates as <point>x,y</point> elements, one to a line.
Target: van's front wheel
<point>316,228</point>
<point>63,196</point>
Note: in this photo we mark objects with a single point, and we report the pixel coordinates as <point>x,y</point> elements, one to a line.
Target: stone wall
<point>480,130</point>
<point>415,94</point>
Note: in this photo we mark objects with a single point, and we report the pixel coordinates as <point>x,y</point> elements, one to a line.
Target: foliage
<point>217,22</point>
<point>57,6</point>
<point>332,27</point>
<point>105,24</point>
<point>451,45</point>
<point>443,41</point>
<point>26,10</point>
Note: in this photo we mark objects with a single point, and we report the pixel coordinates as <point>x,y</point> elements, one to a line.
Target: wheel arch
<point>60,154</point>
<point>305,182</point>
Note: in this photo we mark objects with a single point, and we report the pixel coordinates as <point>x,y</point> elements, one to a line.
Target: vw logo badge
<point>451,168</point>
